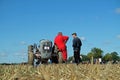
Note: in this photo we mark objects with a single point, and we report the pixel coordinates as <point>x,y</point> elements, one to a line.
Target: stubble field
<point>60,72</point>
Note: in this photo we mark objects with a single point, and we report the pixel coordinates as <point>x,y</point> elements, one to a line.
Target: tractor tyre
<point>30,58</point>
<point>30,55</point>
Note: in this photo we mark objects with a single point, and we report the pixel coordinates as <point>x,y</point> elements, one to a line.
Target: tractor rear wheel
<point>30,55</point>
<point>30,58</point>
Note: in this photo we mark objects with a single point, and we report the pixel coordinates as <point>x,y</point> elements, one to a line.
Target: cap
<point>74,34</point>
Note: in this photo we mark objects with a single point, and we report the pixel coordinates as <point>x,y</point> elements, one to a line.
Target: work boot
<point>64,61</point>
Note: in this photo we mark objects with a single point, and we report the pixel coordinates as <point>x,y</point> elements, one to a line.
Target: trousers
<point>77,56</point>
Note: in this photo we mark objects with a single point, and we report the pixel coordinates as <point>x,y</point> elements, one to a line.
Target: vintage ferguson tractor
<point>43,52</point>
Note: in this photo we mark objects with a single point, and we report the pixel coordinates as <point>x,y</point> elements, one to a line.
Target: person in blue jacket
<point>76,48</point>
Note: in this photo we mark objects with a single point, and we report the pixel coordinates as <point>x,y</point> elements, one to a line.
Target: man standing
<point>76,48</point>
<point>60,42</point>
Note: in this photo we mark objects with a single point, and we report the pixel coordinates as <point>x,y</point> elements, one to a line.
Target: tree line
<point>96,53</point>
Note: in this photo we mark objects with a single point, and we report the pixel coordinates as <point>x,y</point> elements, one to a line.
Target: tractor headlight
<point>46,48</point>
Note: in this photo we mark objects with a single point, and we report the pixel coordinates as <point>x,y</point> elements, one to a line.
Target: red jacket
<point>60,41</point>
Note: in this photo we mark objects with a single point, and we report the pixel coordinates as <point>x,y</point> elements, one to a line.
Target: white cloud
<point>83,38</point>
<point>3,54</point>
<point>21,53</point>
<point>118,47</point>
<point>90,44</point>
<point>23,43</point>
<point>117,10</point>
<point>118,36</point>
<point>107,42</point>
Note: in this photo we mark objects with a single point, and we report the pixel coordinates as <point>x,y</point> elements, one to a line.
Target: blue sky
<point>25,22</point>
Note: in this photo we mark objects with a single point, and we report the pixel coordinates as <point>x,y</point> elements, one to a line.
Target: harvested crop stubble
<point>60,72</point>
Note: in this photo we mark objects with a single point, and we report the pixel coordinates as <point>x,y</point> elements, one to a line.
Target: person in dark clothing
<point>76,48</point>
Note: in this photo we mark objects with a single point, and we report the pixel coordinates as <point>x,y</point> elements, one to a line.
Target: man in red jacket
<point>60,42</point>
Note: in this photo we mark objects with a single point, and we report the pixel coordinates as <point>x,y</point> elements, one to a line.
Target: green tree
<point>119,58</point>
<point>115,56</point>
<point>84,57</point>
<point>107,57</point>
<point>89,55</point>
<point>97,52</point>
